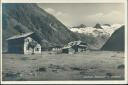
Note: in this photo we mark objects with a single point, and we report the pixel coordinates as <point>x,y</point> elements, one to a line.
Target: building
<point>75,46</point>
<point>56,48</point>
<point>68,50</point>
<point>23,43</point>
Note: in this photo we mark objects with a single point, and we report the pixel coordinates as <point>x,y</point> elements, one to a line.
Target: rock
<point>98,26</point>
<point>120,66</point>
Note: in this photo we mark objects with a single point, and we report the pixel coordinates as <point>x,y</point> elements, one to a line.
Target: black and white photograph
<point>63,41</point>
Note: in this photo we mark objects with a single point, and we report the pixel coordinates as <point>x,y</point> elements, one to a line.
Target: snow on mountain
<point>108,30</point>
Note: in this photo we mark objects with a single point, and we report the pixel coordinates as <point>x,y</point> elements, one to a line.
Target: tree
<point>19,29</point>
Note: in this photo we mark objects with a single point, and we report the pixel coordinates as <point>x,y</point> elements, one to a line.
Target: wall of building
<point>15,46</point>
<point>36,50</point>
<point>71,51</point>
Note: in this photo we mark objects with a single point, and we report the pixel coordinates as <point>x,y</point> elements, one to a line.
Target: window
<point>37,49</point>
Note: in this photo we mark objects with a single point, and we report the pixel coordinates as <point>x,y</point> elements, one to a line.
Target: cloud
<point>75,14</point>
<point>112,17</point>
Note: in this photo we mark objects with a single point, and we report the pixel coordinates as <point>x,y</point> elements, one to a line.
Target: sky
<point>73,14</point>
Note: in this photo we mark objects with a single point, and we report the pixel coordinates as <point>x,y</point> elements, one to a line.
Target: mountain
<point>116,41</point>
<point>96,37</point>
<point>25,17</point>
<point>105,29</point>
<point>80,26</point>
<point>98,26</point>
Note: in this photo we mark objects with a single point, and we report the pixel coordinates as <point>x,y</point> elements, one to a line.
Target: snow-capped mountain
<point>101,35</point>
<point>94,31</point>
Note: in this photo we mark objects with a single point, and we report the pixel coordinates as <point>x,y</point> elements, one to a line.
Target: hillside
<point>23,18</point>
<point>116,41</point>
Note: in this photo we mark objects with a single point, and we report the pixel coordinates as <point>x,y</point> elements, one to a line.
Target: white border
<point>63,1</point>
<point>72,82</point>
<point>1,41</point>
<point>126,41</point>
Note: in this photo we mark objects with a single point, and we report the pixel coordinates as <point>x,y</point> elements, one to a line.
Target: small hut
<point>76,46</point>
<point>23,43</point>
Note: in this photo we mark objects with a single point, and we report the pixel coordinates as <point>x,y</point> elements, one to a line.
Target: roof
<point>66,47</point>
<point>74,43</point>
<point>82,46</point>
<point>20,36</point>
<point>71,44</point>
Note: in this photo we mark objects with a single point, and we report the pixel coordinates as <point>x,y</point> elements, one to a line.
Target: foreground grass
<point>90,65</point>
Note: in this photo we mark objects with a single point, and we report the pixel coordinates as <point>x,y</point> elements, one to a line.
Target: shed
<point>23,43</point>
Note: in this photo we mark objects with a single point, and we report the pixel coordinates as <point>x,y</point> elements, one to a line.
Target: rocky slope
<point>116,41</point>
<point>26,17</point>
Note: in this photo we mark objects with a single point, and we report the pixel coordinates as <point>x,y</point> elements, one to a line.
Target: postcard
<point>64,42</point>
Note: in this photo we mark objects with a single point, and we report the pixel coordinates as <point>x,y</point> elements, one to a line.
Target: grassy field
<point>90,65</point>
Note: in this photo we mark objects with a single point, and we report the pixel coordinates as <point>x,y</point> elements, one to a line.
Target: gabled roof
<point>20,36</point>
<point>73,43</point>
<point>66,47</point>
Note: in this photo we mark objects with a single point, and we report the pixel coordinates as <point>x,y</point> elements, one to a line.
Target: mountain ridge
<point>116,41</point>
